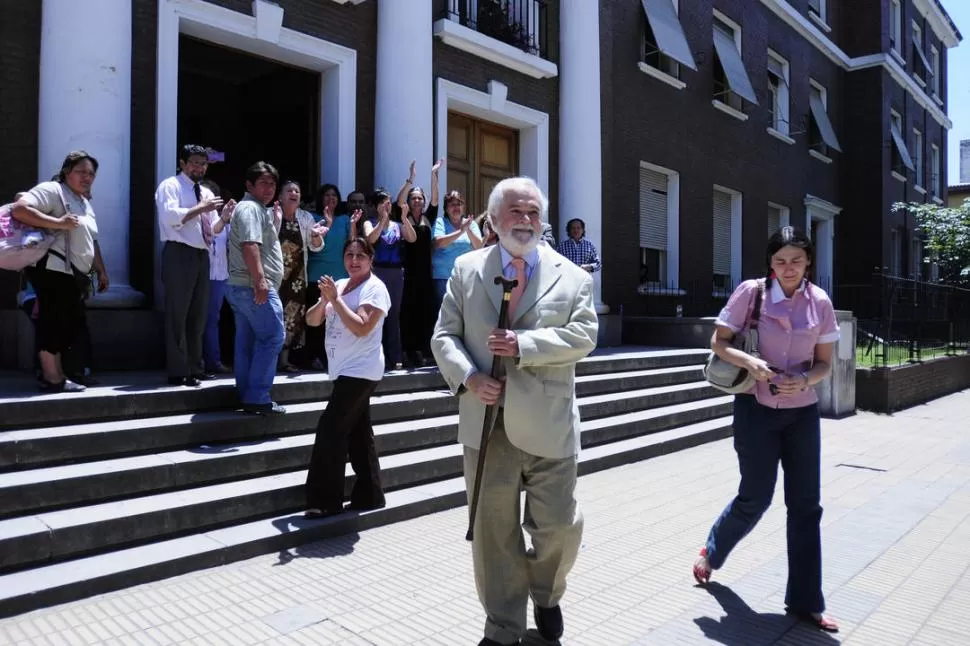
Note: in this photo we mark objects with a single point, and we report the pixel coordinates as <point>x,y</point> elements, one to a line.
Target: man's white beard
<point>510,239</point>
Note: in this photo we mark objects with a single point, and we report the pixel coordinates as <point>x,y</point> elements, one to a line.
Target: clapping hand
<point>320,229</point>
<point>437,165</point>
<point>466,222</point>
<point>328,289</point>
<point>355,217</point>
<point>384,212</point>
<point>412,172</point>
<point>277,212</point>
<point>228,210</point>
<point>328,216</point>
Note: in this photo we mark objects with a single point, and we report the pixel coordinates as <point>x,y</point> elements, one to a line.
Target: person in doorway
<point>578,249</point>
<point>418,311</point>
<point>535,440</point>
<point>329,210</point>
<point>298,235</point>
<point>255,274</point>
<point>61,277</point>
<point>453,235</point>
<point>186,210</point>
<point>354,309</point>
<point>218,283</point>
<point>388,237</point>
<point>778,420</point>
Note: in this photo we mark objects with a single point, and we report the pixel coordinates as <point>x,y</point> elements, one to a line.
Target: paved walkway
<point>896,492</point>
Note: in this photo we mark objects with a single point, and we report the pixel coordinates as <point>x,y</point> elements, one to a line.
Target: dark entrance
<point>251,109</point>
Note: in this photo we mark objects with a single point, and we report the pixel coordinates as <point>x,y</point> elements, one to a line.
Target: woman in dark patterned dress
<point>298,233</point>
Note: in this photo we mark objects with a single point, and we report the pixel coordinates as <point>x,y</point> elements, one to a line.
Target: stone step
<point>47,488</point>
<point>125,396</point>
<point>56,535</point>
<point>53,583</point>
<point>52,445</point>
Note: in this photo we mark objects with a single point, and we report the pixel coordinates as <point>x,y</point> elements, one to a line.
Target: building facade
<point>681,131</point>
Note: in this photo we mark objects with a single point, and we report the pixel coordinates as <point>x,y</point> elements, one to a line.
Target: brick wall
<point>890,389</point>
<point>680,130</point>
<point>19,65</point>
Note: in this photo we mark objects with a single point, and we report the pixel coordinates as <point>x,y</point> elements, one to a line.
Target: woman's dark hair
<point>366,246</point>
<point>787,237</point>
<point>259,169</point>
<point>453,196</point>
<point>293,182</point>
<point>379,195</point>
<point>570,224</point>
<point>74,158</point>
<point>418,189</point>
<point>323,189</point>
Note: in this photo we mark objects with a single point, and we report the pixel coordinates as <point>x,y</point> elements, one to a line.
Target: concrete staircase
<point>132,482</point>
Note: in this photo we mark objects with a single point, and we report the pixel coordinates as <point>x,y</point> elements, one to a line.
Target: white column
<point>85,103</point>
<point>404,115</point>
<point>580,135</point>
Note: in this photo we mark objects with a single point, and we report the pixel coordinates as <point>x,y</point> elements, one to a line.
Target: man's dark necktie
<point>203,217</point>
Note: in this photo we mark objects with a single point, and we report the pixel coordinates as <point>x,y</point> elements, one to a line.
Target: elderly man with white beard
<point>534,443</point>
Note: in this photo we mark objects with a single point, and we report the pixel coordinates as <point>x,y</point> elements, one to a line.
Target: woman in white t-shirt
<point>354,309</point>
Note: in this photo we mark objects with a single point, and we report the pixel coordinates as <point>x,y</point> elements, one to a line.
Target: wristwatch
<point>805,377</point>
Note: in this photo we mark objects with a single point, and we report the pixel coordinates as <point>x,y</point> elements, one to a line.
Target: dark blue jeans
<point>762,437</point>
<point>210,342</point>
<point>259,339</point>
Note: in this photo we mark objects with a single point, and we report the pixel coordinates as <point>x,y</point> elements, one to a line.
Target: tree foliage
<point>947,231</point>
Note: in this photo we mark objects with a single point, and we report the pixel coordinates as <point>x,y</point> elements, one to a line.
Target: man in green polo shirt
<point>255,274</point>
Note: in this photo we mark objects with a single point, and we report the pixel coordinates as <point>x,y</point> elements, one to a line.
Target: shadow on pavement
<point>742,626</point>
<point>321,549</point>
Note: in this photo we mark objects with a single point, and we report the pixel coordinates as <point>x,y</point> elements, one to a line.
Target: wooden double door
<point>480,155</point>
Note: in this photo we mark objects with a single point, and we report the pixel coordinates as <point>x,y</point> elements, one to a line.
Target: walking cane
<point>491,411</point>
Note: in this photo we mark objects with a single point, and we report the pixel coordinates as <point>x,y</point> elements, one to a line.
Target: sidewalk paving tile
<point>896,493</point>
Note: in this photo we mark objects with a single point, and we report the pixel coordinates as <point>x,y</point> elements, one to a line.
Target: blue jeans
<point>259,339</point>
<point>210,341</point>
<point>762,437</point>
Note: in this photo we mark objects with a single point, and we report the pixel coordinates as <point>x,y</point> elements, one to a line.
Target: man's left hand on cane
<point>503,343</point>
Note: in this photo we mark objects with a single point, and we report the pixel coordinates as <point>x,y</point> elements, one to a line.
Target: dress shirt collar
<point>778,294</point>
<point>531,258</point>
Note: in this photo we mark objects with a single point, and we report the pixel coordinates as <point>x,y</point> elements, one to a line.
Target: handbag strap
<point>68,257</point>
<point>756,310</point>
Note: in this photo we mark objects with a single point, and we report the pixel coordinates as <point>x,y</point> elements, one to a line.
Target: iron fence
<point>522,24</point>
<point>906,320</point>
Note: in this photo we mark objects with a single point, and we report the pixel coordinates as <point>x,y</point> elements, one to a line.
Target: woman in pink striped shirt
<point>778,419</point>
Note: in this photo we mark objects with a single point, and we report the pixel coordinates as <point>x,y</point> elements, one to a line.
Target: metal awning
<point>901,147</point>
<point>730,57</point>
<point>667,31</point>
<point>823,123</point>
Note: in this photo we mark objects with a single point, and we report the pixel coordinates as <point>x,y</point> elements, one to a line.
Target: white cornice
<point>814,35</point>
<point>938,20</point>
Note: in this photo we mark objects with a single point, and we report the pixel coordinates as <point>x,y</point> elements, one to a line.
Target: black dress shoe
<point>204,376</point>
<point>184,381</point>
<point>271,408</point>
<point>492,642</point>
<point>548,622</point>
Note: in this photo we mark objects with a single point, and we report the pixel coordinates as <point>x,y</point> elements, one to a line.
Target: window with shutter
<point>653,226</point>
<point>722,239</point>
<point>774,220</point>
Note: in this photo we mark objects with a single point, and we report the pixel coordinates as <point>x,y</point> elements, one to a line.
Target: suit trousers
<point>763,437</point>
<point>506,573</point>
<point>185,276</point>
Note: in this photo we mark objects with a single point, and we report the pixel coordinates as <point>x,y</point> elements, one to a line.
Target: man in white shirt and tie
<point>535,441</point>
<point>186,213</point>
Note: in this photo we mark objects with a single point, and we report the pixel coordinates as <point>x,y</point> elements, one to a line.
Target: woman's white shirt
<point>349,355</point>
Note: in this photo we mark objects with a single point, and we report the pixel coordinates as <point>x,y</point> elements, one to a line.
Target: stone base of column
<point>117,297</point>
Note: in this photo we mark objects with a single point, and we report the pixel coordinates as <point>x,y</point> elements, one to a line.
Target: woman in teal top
<point>452,236</point>
<point>327,262</point>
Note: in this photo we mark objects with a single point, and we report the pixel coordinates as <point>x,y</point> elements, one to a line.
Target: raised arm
<point>434,182</point>
<point>402,195</point>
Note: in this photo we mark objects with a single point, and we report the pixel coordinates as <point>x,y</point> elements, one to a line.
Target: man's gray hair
<point>497,196</point>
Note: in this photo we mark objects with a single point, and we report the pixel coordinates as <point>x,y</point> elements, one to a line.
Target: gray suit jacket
<point>556,327</point>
